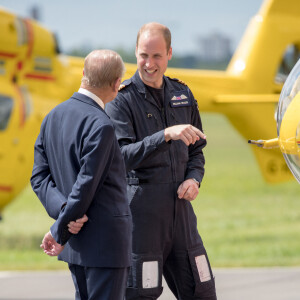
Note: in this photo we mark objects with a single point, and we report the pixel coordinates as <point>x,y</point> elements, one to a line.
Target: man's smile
<point>150,71</point>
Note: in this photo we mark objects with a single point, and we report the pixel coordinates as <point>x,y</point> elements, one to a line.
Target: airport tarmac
<point>232,284</point>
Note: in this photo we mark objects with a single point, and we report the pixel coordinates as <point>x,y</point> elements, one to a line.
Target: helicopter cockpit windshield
<point>288,124</point>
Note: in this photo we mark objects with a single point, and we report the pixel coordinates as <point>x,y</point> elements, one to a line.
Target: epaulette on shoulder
<point>179,81</point>
<point>124,84</point>
<point>121,86</point>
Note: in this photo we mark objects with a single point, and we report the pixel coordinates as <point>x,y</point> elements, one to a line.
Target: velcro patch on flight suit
<point>150,274</point>
<point>180,99</point>
<point>203,268</point>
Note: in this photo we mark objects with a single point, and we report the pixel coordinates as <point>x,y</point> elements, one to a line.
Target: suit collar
<point>87,100</point>
<point>91,95</point>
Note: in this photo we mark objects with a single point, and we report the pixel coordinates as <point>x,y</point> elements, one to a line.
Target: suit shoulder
<point>102,126</point>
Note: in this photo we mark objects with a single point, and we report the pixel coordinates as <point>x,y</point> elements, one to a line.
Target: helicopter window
<point>57,47</point>
<point>6,105</point>
<point>27,101</point>
<point>22,32</point>
<point>289,59</point>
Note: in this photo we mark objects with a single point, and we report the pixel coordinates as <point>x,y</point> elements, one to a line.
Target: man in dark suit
<point>79,171</point>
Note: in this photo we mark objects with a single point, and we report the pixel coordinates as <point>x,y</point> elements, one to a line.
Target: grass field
<point>242,220</point>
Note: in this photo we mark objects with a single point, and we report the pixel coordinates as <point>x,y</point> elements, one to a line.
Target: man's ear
<point>117,84</point>
<point>170,53</point>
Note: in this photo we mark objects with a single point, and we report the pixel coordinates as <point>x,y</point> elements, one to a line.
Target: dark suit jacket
<point>78,169</point>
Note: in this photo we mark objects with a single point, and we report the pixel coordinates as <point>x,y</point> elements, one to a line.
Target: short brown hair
<point>152,27</point>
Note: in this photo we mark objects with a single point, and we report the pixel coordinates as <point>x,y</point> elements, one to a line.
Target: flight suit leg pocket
<point>145,276</point>
<point>202,273</point>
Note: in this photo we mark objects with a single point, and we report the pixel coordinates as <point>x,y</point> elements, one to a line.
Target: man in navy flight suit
<point>79,171</point>
<point>159,131</point>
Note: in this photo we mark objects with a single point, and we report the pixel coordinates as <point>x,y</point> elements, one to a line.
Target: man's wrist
<point>166,135</point>
<point>198,183</point>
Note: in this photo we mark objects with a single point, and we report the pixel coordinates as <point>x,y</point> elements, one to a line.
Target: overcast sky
<point>114,23</point>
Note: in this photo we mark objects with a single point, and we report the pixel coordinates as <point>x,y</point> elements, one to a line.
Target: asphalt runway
<point>232,284</point>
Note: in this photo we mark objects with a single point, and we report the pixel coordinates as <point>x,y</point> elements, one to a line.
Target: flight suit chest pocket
<point>180,112</point>
<point>153,122</point>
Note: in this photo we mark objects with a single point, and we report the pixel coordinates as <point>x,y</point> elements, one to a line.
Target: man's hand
<point>75,227</point>
<point>188,190</point>
<point>186,132</point>
<point>50,246</point>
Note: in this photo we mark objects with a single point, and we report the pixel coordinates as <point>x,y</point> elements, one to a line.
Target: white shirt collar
<point>91,95</point>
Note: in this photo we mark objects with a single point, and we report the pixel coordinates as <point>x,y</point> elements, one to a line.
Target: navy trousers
<point>99,283</point>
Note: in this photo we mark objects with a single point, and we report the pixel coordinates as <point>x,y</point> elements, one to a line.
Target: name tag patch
<point>179,99</point>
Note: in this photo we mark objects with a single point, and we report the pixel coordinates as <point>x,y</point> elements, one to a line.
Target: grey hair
<point>102,68</point>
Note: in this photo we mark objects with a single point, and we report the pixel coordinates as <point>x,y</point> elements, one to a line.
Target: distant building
<point>215,47</point>
<point>35,12</point>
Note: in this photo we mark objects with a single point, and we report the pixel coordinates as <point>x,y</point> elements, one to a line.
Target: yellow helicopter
<point>34,77</point>
<point>288,123</point>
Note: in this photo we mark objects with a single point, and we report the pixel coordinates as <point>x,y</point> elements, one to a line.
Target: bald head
<point>102,68</point>
<point>154,29</point>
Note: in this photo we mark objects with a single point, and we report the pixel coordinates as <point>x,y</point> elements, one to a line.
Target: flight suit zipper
<point>164,117</point>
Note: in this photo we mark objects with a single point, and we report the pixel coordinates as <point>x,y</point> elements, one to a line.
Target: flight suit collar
<point>141,87</point>
<point>136,79</point>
